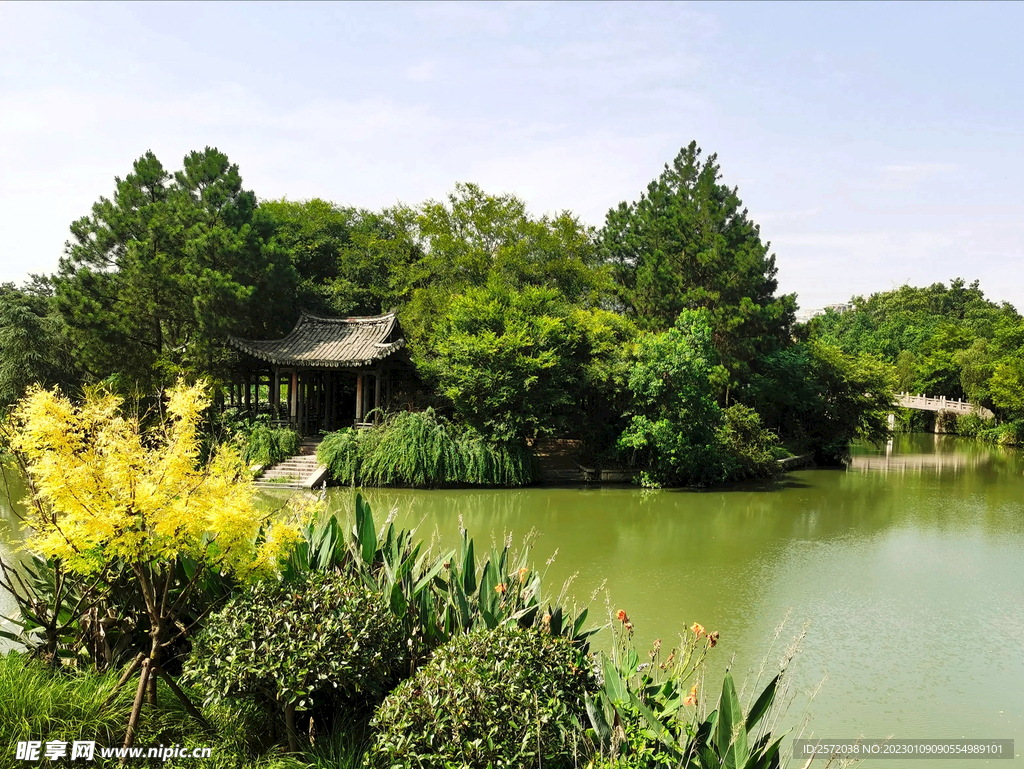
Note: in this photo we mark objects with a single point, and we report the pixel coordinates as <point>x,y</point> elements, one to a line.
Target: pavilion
<point>333,372</point>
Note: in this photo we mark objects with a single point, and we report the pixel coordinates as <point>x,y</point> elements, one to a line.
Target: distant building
<point>805,315</point>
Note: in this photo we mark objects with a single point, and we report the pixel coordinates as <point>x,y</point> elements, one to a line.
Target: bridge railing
<point>941,403</point>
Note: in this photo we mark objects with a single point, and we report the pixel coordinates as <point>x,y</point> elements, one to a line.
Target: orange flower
<point>628,625</point>
<point>620,615</point>
<point>500,588</point>
<point>697,630</point>
<point>691,698</point>
<point>522,574</point>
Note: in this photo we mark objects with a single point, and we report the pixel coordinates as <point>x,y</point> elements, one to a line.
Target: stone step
<point>296,472</point>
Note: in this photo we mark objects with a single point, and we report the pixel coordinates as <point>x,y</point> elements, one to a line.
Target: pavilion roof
<point>321,342</point>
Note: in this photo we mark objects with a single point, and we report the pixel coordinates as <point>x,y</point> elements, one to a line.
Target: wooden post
<point>300,402</point>
<point>376,395</point>
<point>248,401</point>
<point>332,402</point>
<point>359,398</point>
<point>293,389</point>
<point>318,410</point>
<point>275,391</point>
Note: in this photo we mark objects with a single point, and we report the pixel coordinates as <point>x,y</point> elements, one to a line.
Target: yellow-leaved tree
<point>108,493</point>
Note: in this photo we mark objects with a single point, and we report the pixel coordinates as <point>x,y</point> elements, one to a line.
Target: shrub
<point>419,449</point>
<point>300,644</point>
<point>507,697</point>
<point>970,425</point>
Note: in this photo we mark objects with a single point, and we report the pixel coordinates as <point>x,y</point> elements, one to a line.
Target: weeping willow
<point>418,449</point>
<point>269,445</point>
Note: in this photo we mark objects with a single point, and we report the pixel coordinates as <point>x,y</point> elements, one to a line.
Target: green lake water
<point>907,568</point>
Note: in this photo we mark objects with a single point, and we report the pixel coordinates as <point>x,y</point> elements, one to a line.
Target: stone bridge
<point>941,403</point>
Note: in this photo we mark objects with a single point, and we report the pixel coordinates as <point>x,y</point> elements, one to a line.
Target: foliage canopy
<point>687,244</point>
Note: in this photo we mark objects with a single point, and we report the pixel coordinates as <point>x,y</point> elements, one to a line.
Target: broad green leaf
<point>762,704</point>
<point>613,683</point>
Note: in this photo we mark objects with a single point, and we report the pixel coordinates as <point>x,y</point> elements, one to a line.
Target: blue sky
<point>876,144</point>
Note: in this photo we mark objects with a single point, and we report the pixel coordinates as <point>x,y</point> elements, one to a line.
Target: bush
<point>1005,434</point>
<point>970,425</point>
<point>419,449</point>
<point>507,697</point>
<point>300,644</point>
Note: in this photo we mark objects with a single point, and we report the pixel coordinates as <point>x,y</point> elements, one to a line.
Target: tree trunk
<point>133,720</point>
<point>289,724</point>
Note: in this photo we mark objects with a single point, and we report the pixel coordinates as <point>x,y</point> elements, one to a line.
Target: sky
<point>875,144</point>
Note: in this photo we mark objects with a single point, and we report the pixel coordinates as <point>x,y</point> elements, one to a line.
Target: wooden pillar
<point>275,391</point>
<point>359,398</point>
<point>293,390</point>
<point>300,402</point>
<point>248,401</point>
<point>376,395</point>
<point>319,400</point>
<point>332,401</point>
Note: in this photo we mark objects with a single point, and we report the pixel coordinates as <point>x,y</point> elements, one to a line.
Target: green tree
<point>688,244</point>
<point>817,398</point>
<point>473,238</point>
<point>677,430</point>
<point>944,340</point>
<point>34,344</point>
<point>1007,387</point>
<point>506,358</point>
<point>156,277</point>
<point>348,261</point>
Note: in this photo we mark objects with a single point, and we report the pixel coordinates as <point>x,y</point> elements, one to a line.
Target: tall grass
<point>45,704</point>
<point>419,449</point>
<point>38,703</point>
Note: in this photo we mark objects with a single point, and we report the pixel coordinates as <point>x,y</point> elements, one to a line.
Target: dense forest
<point>942,340</point>
<point>659,340</point>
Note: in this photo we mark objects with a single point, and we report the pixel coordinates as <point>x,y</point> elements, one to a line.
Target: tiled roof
<point>329,342</point>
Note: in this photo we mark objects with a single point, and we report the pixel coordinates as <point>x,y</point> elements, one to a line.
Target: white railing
<point>941,403</point>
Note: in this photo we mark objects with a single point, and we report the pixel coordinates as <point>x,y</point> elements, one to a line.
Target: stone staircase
<point>302,471</point>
